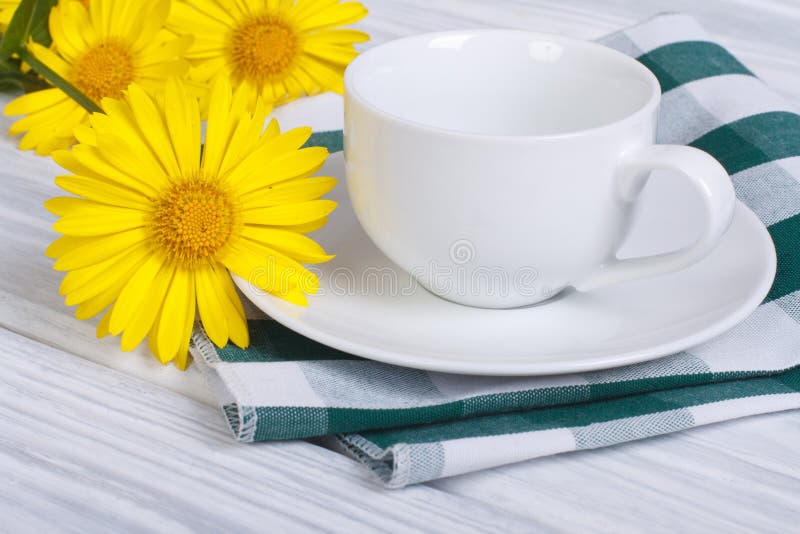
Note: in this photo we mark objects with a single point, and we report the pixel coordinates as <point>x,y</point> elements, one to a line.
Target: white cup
<point>499,167</point>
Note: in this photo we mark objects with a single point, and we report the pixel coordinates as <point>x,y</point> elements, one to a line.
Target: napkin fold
<point>408,426</point>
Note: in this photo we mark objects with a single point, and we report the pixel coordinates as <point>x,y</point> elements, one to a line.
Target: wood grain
<point>100,450</point>
<point>92,439</point>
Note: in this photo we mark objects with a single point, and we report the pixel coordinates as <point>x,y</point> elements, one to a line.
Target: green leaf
<point>52,76</point>
<point>30,15</point>
<point>18,29</point>
<point>40,32</point>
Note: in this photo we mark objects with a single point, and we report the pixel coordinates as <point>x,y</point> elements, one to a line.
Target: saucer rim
<point>597,361</point>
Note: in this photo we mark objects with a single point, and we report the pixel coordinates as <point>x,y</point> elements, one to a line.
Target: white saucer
<point>622,324</point>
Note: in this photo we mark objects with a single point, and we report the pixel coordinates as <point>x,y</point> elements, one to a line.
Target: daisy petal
<point>336,15</point>
<point>288,192</point>
<point>35,101</point>
<point>95,250</point>
<point>142,321</point>
<point>294,245</point>
<point>99,219</point>
<point>234,311</point>
<point>150,120</point>
<point>134,292</point>
<point>176,316</point>
<point>288,214</point>
<point>183,123</point>
<point>218,127</point>
<point>212,313</point>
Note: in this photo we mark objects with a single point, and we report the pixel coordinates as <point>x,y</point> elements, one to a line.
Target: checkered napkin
<point>409,426</point>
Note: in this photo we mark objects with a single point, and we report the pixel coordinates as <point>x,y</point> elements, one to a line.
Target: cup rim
<point>353,71</point>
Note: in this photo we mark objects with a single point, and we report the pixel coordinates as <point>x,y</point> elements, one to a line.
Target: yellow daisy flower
<point>154,225</point>
<point>278,49</point>
<point>101,51</point>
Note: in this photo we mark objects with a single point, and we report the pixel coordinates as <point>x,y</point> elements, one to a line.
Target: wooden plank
<point>87,448</point>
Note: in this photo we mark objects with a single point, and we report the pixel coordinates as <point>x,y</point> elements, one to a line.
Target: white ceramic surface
<point>499,167</point>
<point>370,307</point>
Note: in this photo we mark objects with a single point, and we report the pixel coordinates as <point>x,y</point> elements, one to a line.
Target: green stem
<point>51,76</point>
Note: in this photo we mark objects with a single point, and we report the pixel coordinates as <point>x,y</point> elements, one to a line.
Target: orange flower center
<point>105,70</point>
<point>263,48</point>
<point>193,220</point>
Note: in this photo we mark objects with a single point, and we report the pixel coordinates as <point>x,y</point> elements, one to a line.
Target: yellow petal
<point>267,268</point>
<point>295,297</point>
<point>218,127</point>
<point>341,37</point>
<point>63,205</point>
<point>234,311</point>
<point>98,219</point>
<point>325,75</point>
<point>85,134</point>
<point>78,287</point>
<point>306,227</point>
<point>120,122</point>
<point>134,293</point>
<point>209,304</point>
<point>256,172</point>
<point>99,273</point>
<point>75,20</point>
<point>341,55</point>
<point>294,245</point>
<point>92,162</point>
<point>150,121</point>
<point>70,43</point>
<point>251,265</point>
<point>163,70</point>
<point>96,304</point>
<point>177,315</point>
<point>144,174</point>
<point>302,10</point>
<point>143,319</point>
<point>161,51</point>
<point>47,146</point>
<point>50,58</point>
<point>102,325</point>
<point>336,15</point>
<point>103,300</point>
<point>94,250</point>
<point>290,191</point>
<point>289,214</point>
<point>46,121</point>
<point>64,244</point>
<point>35,101</point>
<point>104,191</point>
<point>153,16</point>
<point>183,359</point>
<point>246,137</point>
<point>183,123</point>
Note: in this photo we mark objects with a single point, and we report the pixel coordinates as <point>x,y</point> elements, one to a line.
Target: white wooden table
<point>92,439</point>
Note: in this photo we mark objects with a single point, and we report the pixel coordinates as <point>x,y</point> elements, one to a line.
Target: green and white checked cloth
<point>409,426</point>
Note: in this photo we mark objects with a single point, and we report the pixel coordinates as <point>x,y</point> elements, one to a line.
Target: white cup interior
<point>501,82</point>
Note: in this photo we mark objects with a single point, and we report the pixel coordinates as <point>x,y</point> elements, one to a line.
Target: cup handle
<point>711,182</point>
